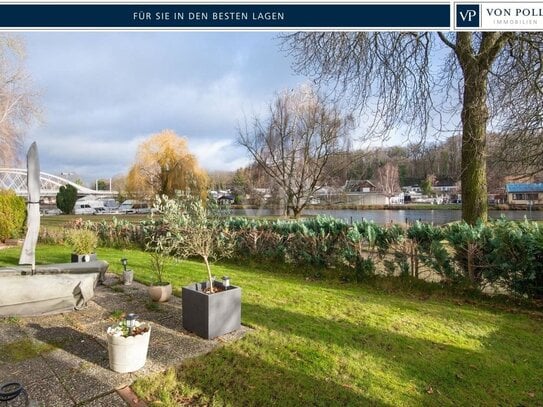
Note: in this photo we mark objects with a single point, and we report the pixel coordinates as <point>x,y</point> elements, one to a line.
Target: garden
<point>343,314</point>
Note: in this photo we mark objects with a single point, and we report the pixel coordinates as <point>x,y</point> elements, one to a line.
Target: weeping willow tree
<point>164,166</point>
<point>418,82</point>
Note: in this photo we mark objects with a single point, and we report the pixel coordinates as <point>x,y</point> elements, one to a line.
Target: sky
<point>103,93</point>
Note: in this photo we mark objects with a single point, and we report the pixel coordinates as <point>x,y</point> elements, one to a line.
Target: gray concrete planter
<point>211,315</point>
<point>83,258</point>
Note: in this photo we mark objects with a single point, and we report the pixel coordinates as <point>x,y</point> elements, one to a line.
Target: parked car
<point>53,211</point>
<point>132,206</point>
<point>83,209</point>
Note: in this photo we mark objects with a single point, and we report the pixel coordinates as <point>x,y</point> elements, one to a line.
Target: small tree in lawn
<point>66,198</point>
<point>192,228</point>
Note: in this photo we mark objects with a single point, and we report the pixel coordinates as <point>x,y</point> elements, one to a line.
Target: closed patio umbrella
<point>28,254</point>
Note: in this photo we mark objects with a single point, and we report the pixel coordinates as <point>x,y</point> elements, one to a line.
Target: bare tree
<point>17,108</point>
<point>520,153</point>
<point>487,78</point>
<point>295,142</point>
<point>388,179</point>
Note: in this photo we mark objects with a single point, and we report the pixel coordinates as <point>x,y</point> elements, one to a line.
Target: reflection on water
<point>383,216</point>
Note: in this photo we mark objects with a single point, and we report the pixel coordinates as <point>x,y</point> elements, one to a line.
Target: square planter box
<point>83,258</point>
<point>211,315</point>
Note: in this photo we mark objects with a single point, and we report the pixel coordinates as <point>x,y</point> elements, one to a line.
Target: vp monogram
<point>467,15</point>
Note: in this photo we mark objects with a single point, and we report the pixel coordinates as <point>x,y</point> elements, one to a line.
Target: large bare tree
<point>294,142</point>
<point>17,101</point>
<point>388,179</point>
<point>416,81</point>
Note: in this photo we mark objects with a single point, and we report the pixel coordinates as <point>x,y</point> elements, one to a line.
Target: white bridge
<point>15,179</point>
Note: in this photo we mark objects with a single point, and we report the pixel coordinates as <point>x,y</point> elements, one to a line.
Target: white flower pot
<point>128,354</point>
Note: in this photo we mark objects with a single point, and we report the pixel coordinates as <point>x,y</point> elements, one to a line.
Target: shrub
<point>187,228</point>
<point>119,233</point>
<point>12,215</point>
<point>66,198</point>
<point>516,257</point>
<point>471,250</point>
<point>504,254</point>
<point>81,241</point>
<point>51,236</point>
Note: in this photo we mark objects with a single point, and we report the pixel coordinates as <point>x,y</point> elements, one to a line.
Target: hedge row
<point>502,254</point>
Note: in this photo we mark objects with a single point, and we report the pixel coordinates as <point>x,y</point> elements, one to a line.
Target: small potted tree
<point>157,244</point>
<point>128,343</point>
<point>159,290</point>
<point>190,228</point>
<point>83,243</point>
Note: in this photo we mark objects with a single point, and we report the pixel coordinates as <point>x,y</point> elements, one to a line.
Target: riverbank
<point>435,214</point>
<point>405,207</point>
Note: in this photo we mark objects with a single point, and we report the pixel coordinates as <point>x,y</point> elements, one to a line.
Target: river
<point>384,216</point>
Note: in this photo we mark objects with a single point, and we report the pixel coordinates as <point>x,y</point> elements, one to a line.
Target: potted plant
<point>83,243</point>
<point>128,274</point>
<point>159,290</point>
<point>190,228</point>
<point>127,344</point>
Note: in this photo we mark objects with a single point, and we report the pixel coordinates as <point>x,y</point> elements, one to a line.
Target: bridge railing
<point>15,179</point>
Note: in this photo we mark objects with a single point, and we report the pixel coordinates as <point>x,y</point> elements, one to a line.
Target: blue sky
<point>103,93</point>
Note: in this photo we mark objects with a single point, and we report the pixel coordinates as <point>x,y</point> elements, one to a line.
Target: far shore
<point>408,207</point>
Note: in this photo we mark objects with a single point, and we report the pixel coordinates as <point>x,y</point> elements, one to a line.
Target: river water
<point>384,216</point>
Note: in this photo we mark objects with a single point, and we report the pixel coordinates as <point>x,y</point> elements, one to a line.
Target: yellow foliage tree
<point>165,166</point>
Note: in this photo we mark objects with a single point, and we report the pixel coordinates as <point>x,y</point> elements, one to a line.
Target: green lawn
<point>329,343</point>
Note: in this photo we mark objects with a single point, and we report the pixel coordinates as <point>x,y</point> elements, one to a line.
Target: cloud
<point>103,93</point>
<point>219,155</point>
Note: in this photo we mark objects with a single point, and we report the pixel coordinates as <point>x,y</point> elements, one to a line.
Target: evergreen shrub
<point>12,215</point>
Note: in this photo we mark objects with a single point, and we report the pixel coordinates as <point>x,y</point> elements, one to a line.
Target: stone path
<point>75,372</point>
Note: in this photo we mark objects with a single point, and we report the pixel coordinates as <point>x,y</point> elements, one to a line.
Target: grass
<point>59,221</point>
<point>22,350</point>
<point>388,342</point>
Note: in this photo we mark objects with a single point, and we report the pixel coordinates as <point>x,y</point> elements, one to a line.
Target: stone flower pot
<point>160,293</point>
<point>128,277</point>
<point>128,354</point>
<point>211,315</point>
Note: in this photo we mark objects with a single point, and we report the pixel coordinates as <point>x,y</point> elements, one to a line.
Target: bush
<point>515,252</point>
<point>504,254</point>
<point>189,227</point>
<point>119,234</point>
<point>81,241</point>
<point>12,215</point>
<point>66,198</point>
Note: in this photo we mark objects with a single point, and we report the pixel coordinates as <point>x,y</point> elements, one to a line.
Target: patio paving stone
<point>76,371</point>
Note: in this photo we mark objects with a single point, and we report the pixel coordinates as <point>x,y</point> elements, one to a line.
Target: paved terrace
<point>75,370</point>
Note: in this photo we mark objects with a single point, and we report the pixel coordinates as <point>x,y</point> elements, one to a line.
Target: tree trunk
<point>474,122</point>
<point>209,275</point>
<point>471,271</point>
